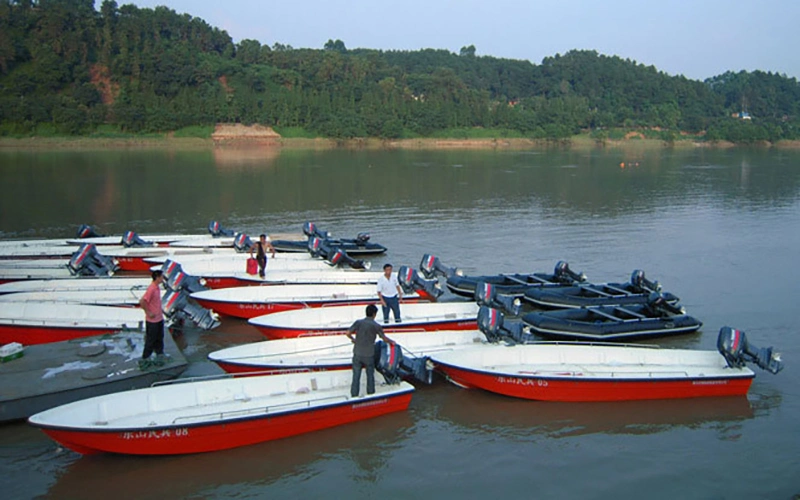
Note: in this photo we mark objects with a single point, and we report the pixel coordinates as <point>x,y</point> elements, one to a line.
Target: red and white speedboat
<point>336,320</point>
<point>331,352</point>
<point>581,372</point>
<point>215,415</point>
<point>42,322</point>
<point>251,301</point>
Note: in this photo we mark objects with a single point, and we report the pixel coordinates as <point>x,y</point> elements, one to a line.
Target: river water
<point>721,229</point>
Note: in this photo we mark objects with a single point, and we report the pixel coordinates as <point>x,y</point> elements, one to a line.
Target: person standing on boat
<point>261,247</point>
<point>154,318</point>
<point>390,293</point>
<point>365,330</point>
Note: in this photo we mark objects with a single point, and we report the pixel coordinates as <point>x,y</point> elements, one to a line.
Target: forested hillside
<point>66,68</point>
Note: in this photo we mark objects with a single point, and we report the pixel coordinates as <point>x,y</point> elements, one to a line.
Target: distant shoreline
<point>580,142</point>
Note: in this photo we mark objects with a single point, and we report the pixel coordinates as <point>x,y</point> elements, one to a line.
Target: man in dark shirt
<point>364,349</point>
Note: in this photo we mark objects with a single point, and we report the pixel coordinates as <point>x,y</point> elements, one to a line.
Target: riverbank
<point>579,142</point>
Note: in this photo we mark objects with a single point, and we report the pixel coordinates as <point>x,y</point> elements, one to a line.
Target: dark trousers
<point>262,265</point>
<point>392,303</point>
<point>367,362</point>
<point>153,339</point>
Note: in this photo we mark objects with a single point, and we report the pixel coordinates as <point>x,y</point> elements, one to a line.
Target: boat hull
<point>574,389</point>
<point>175,440</point>
<point>31,335</point>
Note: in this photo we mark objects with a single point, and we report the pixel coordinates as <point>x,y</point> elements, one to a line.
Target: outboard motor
<point>339,256</point>
<point>131,239</point>
<point>177,280</point>
<point>486,295</point>
<point>86,231</point>
<point>216,229</point>
<point>242,242</point>
<point>733,346</point>
<point>657,303</point>
<point>317,247</point>
<point>431,266</point>
<point>177,305</point>
<point>563,274</point>
<point>87,261</point>
<point>639,282</point>
<point>362,239</point>
<point>491,323</point>
<point>391,363</point>
<point>411,282</point>
<point>310,229</point>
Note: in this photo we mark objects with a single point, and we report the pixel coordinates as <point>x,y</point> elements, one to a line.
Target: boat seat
<point>630,313</point>
<point>593,289</point>
<point>618,290</point>
<point>600,312</point>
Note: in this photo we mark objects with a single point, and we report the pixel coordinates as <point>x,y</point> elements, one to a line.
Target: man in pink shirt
<point>154,318</point>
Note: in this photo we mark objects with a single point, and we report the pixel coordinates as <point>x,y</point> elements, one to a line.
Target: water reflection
<point>168,190</point>
<point>479,411</point>
<point>366,445</point>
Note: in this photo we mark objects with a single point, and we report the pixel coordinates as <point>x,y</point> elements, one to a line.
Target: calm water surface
<point>720,229</point>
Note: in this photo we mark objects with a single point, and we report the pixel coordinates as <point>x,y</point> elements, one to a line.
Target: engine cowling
<point>737,351</point>
<point>216,229</point>
<point>432,267</point>
<point>394,366</point>
<point>486,295</point>
<point>131,239</point>
<point>411,281</point>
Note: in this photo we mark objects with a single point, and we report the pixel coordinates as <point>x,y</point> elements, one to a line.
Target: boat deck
<point>218,400</point>
<point>49,375</point>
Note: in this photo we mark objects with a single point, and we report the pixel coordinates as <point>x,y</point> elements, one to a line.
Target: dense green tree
<point>66,68</point>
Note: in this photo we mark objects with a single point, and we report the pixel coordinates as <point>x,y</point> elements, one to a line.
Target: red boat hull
<point>245,369</point>
<point>176,440</point>
<point>30,335</point>
<point>137,264</point>
<point>249,310</point>
<point>559,389</point>
<point>273,332</point>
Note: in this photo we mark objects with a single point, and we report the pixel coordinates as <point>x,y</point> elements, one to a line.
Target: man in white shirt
<point>389,293</point>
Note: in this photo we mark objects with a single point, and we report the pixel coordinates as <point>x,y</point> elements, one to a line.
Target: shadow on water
<point>366,445</point>
<point>473,411</point>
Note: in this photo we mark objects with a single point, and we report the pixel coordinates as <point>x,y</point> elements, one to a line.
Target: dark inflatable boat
<point>515,285</point>
<point>637,291</point>
<point>360,245</point>
<point>655,318</point>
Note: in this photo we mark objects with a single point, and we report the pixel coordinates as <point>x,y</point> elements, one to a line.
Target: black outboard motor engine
<point>176,279</point>
<point>491,323</point>
<point>339,256</point>
<point>242,242</point>
<point>310,229</point>
<point>216,229</point>
<point>486,295</point>
<point>362,239</point>
<point>317,247</point>
<point>131,239</point>
<point>86,231</point>
<point>390,362</point>
<point>412,282</point>
<point>87,261</point>
<point>733,346</point>
<point>659,305</point>
<point>642,284</point>
<point>431,266</point>
<point>177,305</point>
<point>563,274</point>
